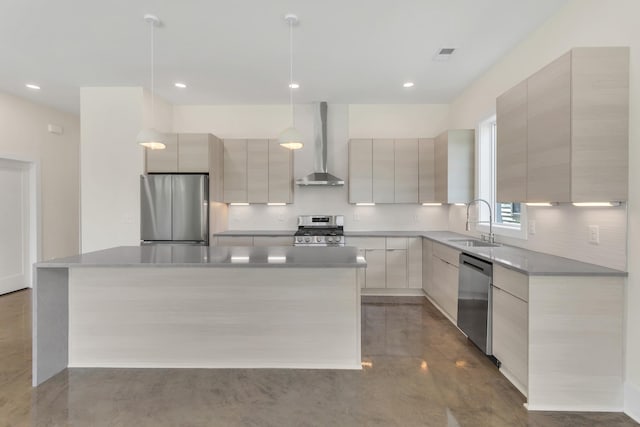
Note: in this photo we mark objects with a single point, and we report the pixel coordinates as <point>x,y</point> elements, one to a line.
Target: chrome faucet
<point>491,237</point>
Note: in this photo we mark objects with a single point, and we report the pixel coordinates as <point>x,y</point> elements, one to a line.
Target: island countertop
<point>213,256</point>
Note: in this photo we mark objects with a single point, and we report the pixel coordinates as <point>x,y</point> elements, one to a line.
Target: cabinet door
<point>280,173</point>
<point>193,152</point>
<point>406,172</point>
<point>375,273</point>
<point>397,268</point>
<point>360,171</point>
<point>383,171</point>
<point>257,171</point>
<point>427,266</point>
<point>445,286</point>
<point>460,165</point>
<point>549,133</point>
<point>441,168</point>
<point>511,145</point>
<point>511,334</point>
<point>426,173</point>
<point>361,273</point>
<point>166,160</point>
<point>235,170</point>
<point>414,260</point>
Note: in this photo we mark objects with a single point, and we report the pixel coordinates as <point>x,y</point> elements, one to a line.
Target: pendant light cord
<point>152,75</point>
<point>293,118</point>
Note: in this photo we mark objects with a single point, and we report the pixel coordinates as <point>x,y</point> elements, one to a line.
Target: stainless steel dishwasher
<point>474,301</point>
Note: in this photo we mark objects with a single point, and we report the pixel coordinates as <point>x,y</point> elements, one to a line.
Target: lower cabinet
<point>427,266</point>
<point>393,263</point>
<point>252,241</point>
<point>511,325</point>
<point>443,288</point>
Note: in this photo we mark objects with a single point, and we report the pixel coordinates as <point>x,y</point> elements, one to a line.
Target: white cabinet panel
<point>511,335</point>
<point>272,240</point>
<point>406,171</point>
<point>445,286</point>
<point>414,261</point>
<point>257,171</point>
<point>375,273</point>
<point>193,152</point>
<point>426,166</point>
<point>161,161</point>
<point>383,171</point>
<point>280,173</point>
<point>396,268</point>
<point>360,171</point>
<point>235,170</point>
<point>234,240</point>
<point>427,266</point>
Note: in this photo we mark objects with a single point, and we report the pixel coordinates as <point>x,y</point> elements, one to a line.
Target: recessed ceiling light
<point>180,85</point>
<point>408,84</point>
<point>294,85</point>
<point>32,86</point>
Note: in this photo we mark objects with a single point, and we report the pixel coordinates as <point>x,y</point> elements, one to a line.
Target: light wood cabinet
<point>166,160</point>
<point>444,285</point>
<point>253,241</point>
<point>383,171</point>
<point>454,166</point>
<point>393,263</point>
<point>280,173</point>
<point>511,335</point>
<point>427,266</point>
<point>234,240</point>
<point>414,262</point>
<point>376,271</point>
<point>257,171</point>
<point>426,171</point>
<point>360,171</point>
<point>511,145</point>
<point>184,152</point>
<point>235,171</point>
<point>387,171</point>
<point>572,117</point>
<point>406,171</point>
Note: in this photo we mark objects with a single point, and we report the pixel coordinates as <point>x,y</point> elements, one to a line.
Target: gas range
<point>319,230</point>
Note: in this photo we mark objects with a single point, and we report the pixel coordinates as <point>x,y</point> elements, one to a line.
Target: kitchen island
<point>197,307</point>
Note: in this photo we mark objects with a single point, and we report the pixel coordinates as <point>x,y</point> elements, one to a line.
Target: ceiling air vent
<point>444,54</point>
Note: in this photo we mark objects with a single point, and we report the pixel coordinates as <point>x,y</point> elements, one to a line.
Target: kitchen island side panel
<point>214,317</point>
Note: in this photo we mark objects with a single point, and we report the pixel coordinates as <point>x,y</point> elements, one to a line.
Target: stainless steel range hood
<point>320,176</point>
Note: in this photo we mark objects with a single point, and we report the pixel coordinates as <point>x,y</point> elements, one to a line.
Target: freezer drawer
<point>190,208</point>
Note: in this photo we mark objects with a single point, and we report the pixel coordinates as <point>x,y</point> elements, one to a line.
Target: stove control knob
<point>330,239</point>
<point>318,239</point>
<point>307,239</point>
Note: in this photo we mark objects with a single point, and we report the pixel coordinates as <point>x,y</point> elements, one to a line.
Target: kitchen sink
<point>473,243</point>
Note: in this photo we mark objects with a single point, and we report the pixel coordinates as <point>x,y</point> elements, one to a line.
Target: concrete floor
<point>419,371</point>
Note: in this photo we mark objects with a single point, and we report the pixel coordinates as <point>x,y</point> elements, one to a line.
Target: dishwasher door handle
<point>475,267</point>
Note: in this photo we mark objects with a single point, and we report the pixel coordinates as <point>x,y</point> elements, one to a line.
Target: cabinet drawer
<point>396,243</point>
<point>517,284</point>
<point>446,253</point>
<point>366,242</point>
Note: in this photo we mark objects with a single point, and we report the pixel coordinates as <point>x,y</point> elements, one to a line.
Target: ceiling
<point>236,52</point>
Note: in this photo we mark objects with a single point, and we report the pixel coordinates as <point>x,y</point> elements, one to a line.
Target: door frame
<point>31,169</point>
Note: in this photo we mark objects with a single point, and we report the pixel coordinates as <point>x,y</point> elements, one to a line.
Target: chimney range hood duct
<point>320,176</point>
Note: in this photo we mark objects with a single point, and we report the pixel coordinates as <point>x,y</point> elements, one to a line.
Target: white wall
<point>25,137</point>
<point>112,162</point>
<point>267,121</point>
<point>579,23</point>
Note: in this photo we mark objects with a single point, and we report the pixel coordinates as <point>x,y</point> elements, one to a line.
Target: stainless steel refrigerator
<point>174,208</point>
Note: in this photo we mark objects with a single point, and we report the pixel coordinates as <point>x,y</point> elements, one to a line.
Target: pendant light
<point>150,137</point>
<point>291,138</point>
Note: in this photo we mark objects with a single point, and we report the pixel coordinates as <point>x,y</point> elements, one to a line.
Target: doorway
<point>17,224</point>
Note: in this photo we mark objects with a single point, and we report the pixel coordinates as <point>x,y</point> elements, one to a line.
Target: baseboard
<point>214,365</point>
<point>572,408</point>
<point>440,309</point>
<point>632,401</point>
<point>512,379</point>
<point>408,292</point>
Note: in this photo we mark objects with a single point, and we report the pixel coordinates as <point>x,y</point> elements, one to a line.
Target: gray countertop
<point>213,256</point>
<point>522,260</point>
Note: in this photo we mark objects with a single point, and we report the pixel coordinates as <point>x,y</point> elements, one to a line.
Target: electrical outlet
<point>415,218</point>
<point>356,216</point>
<point>594,234</point>
<point>532,227</point>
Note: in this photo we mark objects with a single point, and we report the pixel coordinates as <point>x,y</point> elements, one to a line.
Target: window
<point>507,217</point>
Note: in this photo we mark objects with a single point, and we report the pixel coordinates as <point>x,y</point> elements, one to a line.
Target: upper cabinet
<point>406,170</point>
<point>563,133</point>
<point>257,171</point>
<point>511,148</point>
<point>190,153</point>
<point>454,166</point>
<point>184,152</point>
